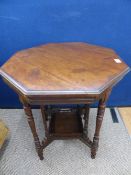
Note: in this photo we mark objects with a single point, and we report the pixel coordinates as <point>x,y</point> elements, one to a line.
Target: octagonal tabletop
<point>64,68</point>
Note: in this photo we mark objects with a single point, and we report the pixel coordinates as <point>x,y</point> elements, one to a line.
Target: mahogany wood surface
<point>64,73</point>
<point>63,68</point>
<point>66,123</point>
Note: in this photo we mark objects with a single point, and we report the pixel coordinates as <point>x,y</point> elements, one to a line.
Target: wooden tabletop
<point>64,68</point>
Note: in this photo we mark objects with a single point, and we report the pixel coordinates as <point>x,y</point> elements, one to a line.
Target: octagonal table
<point>64,73</point>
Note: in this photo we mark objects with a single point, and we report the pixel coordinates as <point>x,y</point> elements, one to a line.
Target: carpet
<point>64,157</point>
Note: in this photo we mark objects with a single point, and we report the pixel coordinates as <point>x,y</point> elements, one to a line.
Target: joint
<point>28,111</point>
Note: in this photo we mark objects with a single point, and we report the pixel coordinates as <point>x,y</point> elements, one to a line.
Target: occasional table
<point>64,73</point>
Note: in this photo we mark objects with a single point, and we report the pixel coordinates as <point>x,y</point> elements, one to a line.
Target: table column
<point>99,119</point>
<point>31,122</point>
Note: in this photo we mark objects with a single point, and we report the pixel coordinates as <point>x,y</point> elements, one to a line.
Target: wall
<point>28,23</point>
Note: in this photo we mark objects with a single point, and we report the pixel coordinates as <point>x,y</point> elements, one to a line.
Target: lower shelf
<point>66,124</point>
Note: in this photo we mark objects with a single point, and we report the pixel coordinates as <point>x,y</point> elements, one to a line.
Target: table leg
<point>44,121</point>
<point>99,119</point>
<point>86,118</point>
<point>47,140</point>
<point>31,123</point>
<point>85,139</point>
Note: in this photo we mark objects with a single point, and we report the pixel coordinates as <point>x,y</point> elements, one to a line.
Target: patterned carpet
<point>68,157</point>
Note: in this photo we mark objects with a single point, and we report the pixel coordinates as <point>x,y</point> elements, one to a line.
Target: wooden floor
<point>126,116</point>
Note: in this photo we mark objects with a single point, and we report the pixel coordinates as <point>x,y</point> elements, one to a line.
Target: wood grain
<point>64,73</point>
<point>65,67</point>
<point>126,116</point>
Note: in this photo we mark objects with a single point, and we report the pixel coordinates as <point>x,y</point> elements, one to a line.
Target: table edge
<point>27,92</point>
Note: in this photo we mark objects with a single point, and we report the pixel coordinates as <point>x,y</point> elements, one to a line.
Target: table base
<point>66,124</point>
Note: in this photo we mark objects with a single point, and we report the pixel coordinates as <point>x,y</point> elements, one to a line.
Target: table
<point>64,73</point>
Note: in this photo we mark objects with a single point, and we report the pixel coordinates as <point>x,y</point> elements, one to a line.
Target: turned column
<point>99,119</point>
<point>86,118</point>
<point>30,119</point>
<point>44,121</point>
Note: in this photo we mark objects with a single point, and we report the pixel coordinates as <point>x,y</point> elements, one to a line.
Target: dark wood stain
<point>58,67</point>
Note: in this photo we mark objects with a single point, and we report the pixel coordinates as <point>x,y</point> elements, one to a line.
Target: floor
<point>65,157</point>
<point>125,113</point>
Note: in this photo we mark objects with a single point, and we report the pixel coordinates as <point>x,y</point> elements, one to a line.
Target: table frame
<point>28,101</point>
<point>41,83</point>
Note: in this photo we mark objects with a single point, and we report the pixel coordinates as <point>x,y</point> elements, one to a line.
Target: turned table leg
<point>44,121</point>
<point>85,139</point>
<point>86,118</point>
<point>99,119</point>
<point>31,123</point>
<point>47,140</point>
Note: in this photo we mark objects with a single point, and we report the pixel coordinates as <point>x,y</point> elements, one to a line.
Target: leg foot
<point>93,156</point>
<point>40,155</point>
<point>94,147</point>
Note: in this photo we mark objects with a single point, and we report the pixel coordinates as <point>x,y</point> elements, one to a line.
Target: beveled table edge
<point>38,92</point>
